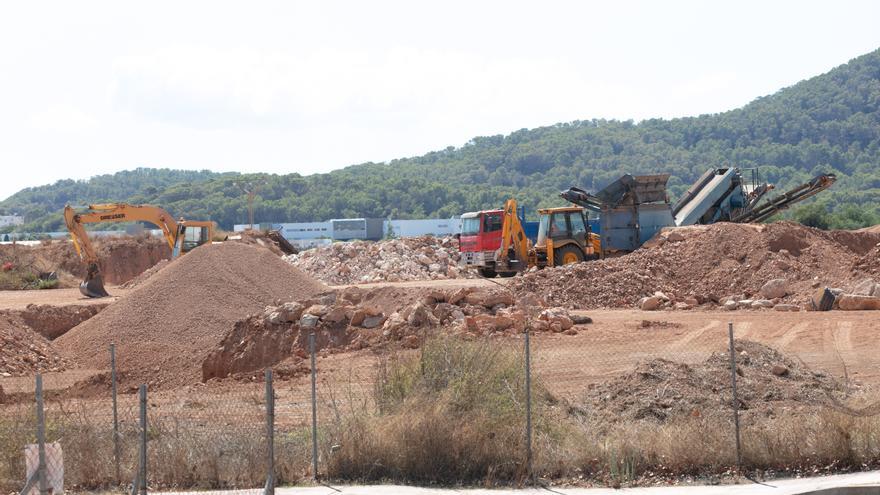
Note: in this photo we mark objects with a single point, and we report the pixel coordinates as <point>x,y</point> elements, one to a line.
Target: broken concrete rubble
<point>412,258</point>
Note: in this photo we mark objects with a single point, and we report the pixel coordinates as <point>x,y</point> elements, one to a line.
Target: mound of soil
<point>768,383</point>
<point>164,328</point>
<point>710,263</point>
<point>149,272</point>
<point>23,351</point>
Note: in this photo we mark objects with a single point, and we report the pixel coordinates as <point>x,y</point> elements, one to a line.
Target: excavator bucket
<point>93,285</point>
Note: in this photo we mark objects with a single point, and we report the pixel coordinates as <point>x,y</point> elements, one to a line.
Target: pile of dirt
<point>166,326</point>
<point>270,239</point>
<point>149,272</point>
<point>708,264</point>
<point>411,258</point>
<point>24,351</point>
<point>768,384</point>
<point>355,318</point>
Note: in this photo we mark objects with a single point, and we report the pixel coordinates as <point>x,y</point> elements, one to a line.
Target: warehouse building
<point>347,229</point>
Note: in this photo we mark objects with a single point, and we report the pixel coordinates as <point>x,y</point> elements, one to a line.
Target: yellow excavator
<point>564,237</point>
<point>182,235</point>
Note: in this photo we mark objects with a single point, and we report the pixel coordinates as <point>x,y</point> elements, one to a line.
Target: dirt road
<point>19,299</point>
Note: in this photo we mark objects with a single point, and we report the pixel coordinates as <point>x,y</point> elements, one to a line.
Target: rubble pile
<point>356,318</point>
<point>735,266</point>
<point>768,384</point>
<point>411,258</point>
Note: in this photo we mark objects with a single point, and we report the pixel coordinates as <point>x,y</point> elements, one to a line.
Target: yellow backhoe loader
<point>564,237</point>
<point>182,235</point>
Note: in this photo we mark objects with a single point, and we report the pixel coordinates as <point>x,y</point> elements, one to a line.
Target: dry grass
<point>449,413</point>
<point>183,453</point>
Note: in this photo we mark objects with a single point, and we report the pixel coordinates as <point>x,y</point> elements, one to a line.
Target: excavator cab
<point>190,235</point>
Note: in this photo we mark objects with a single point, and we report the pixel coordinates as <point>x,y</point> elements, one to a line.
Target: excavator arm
<point>93,285</point>
<point>513,237</point>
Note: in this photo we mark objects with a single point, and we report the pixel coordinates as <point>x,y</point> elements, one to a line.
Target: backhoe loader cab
<point>564,237</point>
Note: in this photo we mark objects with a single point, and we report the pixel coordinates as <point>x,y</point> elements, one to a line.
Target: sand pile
<point>24,351</point>
<point>411,258</point>
<point>164,328</point>
<point>149,272</point>
<point>710,263</point>
<point>768,384</point>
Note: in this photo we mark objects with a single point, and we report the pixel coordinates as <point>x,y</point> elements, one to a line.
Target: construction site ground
<point>840,343</point>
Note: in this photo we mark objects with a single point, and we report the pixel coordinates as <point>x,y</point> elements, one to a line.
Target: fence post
<point>314,409</point>
<point>39,476</point>
<point>41,438</point>
<point>531,472</point>
<point>115,411</point>
<point>270,434</point>
<point>140,484</point>
<point>735,397</point>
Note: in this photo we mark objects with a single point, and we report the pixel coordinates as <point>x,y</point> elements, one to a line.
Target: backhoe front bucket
<point>93,285</point>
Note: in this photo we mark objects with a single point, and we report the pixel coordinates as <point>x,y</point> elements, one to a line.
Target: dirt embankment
<point>709,263</point>
<point>354,319</point>
<point>164,328</point>
<point>120,258</point>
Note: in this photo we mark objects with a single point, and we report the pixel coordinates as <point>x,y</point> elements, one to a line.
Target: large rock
<point>867,287</point>
<point>822,300</point>
<point>373,321</point>
<point>650,303</point>
<point>488,299</point>
<point>855,302</point>
<point>776,288</point>
<point>308,321</point>
<point>292,311</point>
<point>557,315</point>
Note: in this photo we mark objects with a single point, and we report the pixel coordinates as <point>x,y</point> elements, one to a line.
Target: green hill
<point>829,123</point>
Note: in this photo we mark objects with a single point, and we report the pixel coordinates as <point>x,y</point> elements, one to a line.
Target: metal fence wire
<point>615,406</point>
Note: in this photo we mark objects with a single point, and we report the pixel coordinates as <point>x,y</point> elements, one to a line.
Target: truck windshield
<point>470,226</point>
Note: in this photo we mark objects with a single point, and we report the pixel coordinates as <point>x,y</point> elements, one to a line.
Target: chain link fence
<point>635,402</point>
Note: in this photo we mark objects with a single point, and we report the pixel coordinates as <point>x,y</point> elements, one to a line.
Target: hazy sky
<point>93,87</point>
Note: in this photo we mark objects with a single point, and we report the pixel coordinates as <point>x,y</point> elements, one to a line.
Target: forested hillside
<point>830,123</point>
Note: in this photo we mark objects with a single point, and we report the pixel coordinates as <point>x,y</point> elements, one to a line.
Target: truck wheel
<point>507,274</point>
<point>486,272</point>
<point>567,255</point>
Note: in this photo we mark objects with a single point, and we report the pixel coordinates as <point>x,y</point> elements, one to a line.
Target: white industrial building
<point>343,229</point>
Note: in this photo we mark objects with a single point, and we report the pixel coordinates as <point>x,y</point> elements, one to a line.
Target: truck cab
<point>480,238</point>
